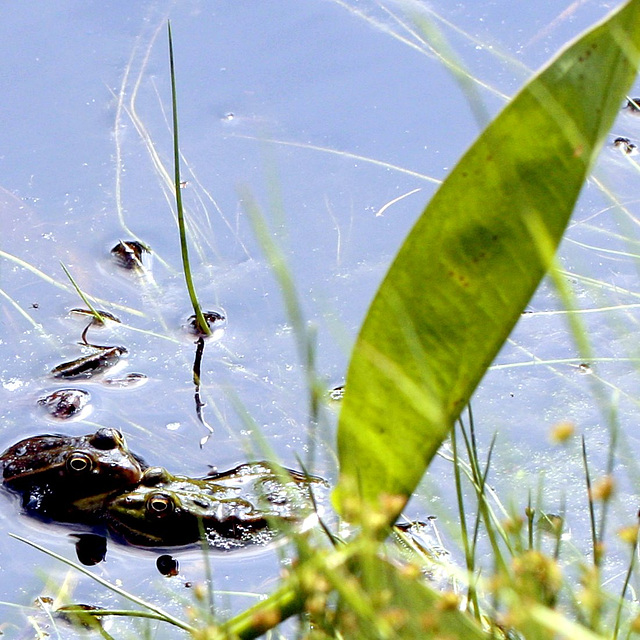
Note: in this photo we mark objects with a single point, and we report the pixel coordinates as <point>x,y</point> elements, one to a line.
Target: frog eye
<point>159,504</point>
<point>79,463</point>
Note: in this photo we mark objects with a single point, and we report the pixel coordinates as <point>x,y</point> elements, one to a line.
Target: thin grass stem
<point>627,579</point>
<point>468,555</point>
<point>592,514</point>
<point>611,458</point>
<point>125,594</point>
<point>200,320</point>
<point>305,336</point>
<point>530,513</point>
<point>96,314</point>
<point>563,516</point>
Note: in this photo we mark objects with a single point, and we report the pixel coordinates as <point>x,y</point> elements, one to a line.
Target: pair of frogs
<point>96,480</point>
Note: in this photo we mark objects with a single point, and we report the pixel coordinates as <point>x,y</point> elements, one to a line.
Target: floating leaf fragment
<point>129,381</point>
<point>77,615</point>
<point>91,365</point>
<point>87,313</point>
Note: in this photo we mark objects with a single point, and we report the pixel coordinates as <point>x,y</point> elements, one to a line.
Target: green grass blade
<point>162,615</point>
<point>200,320</point>
<point>94,311</point>
<point>472,262</point>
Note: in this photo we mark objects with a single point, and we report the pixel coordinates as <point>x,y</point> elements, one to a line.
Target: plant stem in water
<point>200,320</point>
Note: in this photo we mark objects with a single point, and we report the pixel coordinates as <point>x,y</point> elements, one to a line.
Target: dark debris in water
<point>337,393</point>
<point>129,254</point>
<point>216,321</point>
<point>129,381</point>
<point>625,146</point>
<point>633,105</point>
<point>91,365</point>
<point>65,404</point>
<point>87,313</point>
<point>91,548</point>
<point>168,565</point>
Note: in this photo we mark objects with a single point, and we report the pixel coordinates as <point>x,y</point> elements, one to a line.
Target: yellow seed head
<point>603,488</point>
<point>562,431</point>
<point>629,534</point>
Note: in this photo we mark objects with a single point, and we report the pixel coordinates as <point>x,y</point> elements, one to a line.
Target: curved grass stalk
<point>22,312</point>
<point>342,154</point>
<point>140,129</point>
<point>52,281</point>
<point>166,617</point>
<point>423,47</point>
<point>116,132</point>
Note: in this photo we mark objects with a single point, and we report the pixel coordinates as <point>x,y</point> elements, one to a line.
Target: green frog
<point>237,508</point>
<point>68,478</point>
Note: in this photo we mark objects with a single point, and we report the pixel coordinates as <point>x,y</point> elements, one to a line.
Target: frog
<point>68,478</point>
<point>129,254</point>
<point>244,506</point>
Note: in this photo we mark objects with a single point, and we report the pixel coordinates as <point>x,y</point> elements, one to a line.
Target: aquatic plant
<point>201,322</point>
<point>456,289</point>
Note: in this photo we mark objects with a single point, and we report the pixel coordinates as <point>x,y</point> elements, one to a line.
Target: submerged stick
<point>200,320</point>
<point>197,363</point>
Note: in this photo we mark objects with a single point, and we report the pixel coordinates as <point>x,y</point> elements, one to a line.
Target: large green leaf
<point>472,262</point>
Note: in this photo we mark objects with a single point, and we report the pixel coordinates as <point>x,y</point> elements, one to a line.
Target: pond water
<point>340,123</point>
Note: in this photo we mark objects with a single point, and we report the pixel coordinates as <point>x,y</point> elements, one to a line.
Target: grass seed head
<point>602,489</point>
<point>562,431</point>
<point>629,534</point>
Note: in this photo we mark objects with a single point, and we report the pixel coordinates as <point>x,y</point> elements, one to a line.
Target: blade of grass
<point>96,314</point>
<point>305,335</point>
<point>125,594</point>
<point>469,557</point>
<point>197,309</point>
<point>627,579</point>
<point>597,557</point>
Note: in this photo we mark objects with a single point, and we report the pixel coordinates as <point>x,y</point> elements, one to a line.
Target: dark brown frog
<point>53,473</point>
